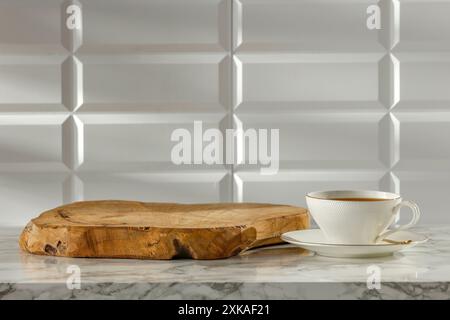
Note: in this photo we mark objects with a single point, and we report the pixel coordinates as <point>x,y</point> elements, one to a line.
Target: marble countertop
<point>279,272</point>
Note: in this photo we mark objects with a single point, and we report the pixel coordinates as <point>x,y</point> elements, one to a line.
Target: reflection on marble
<point>277,272</point>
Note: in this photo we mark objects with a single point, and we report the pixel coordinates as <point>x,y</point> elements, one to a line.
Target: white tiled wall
<point>87,114</point>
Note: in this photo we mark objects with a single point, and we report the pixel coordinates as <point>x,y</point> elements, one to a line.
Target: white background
<point>88,114</point>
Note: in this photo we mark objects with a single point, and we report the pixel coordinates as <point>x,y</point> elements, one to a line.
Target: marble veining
<point>277,272</point>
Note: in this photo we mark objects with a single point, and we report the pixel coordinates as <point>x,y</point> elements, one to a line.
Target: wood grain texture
<point>128,229</point>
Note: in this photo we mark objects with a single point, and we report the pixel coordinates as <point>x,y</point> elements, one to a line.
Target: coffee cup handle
<point>415,217</point>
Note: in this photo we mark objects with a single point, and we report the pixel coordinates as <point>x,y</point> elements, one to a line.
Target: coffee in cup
<point>358,217</point>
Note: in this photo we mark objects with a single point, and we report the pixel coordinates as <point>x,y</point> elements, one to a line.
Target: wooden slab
<point>127,229</point>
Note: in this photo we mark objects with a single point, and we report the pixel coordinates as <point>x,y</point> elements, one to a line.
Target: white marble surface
<point>272,272</point>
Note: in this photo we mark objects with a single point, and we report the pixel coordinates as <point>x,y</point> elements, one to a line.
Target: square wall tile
<point>423,140</point>
<point>331,80</point>
<point>124,139</point>
<point>303,25</point>
<point>166,83</point>
<point>29,26</point>
<point>26,195</point>
<point>424,25</point>
<point>424,79</point>
<point>33,81</point>
<point>142,25</point>
<point>291,186</point>
<point>31,139</point>
<point>193,187</point>
<point>323,140</point>
<point>429,190</point>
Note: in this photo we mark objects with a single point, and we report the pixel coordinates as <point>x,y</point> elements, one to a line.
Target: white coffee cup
<point>345,218</point>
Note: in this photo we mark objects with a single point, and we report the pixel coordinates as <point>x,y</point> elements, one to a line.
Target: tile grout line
<point>72,189</point>
<point>395,85</point>
<point>231,94</point>
<point>66,95</point>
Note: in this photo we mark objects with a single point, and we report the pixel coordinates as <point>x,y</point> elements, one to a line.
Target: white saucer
<point>313,240</point>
